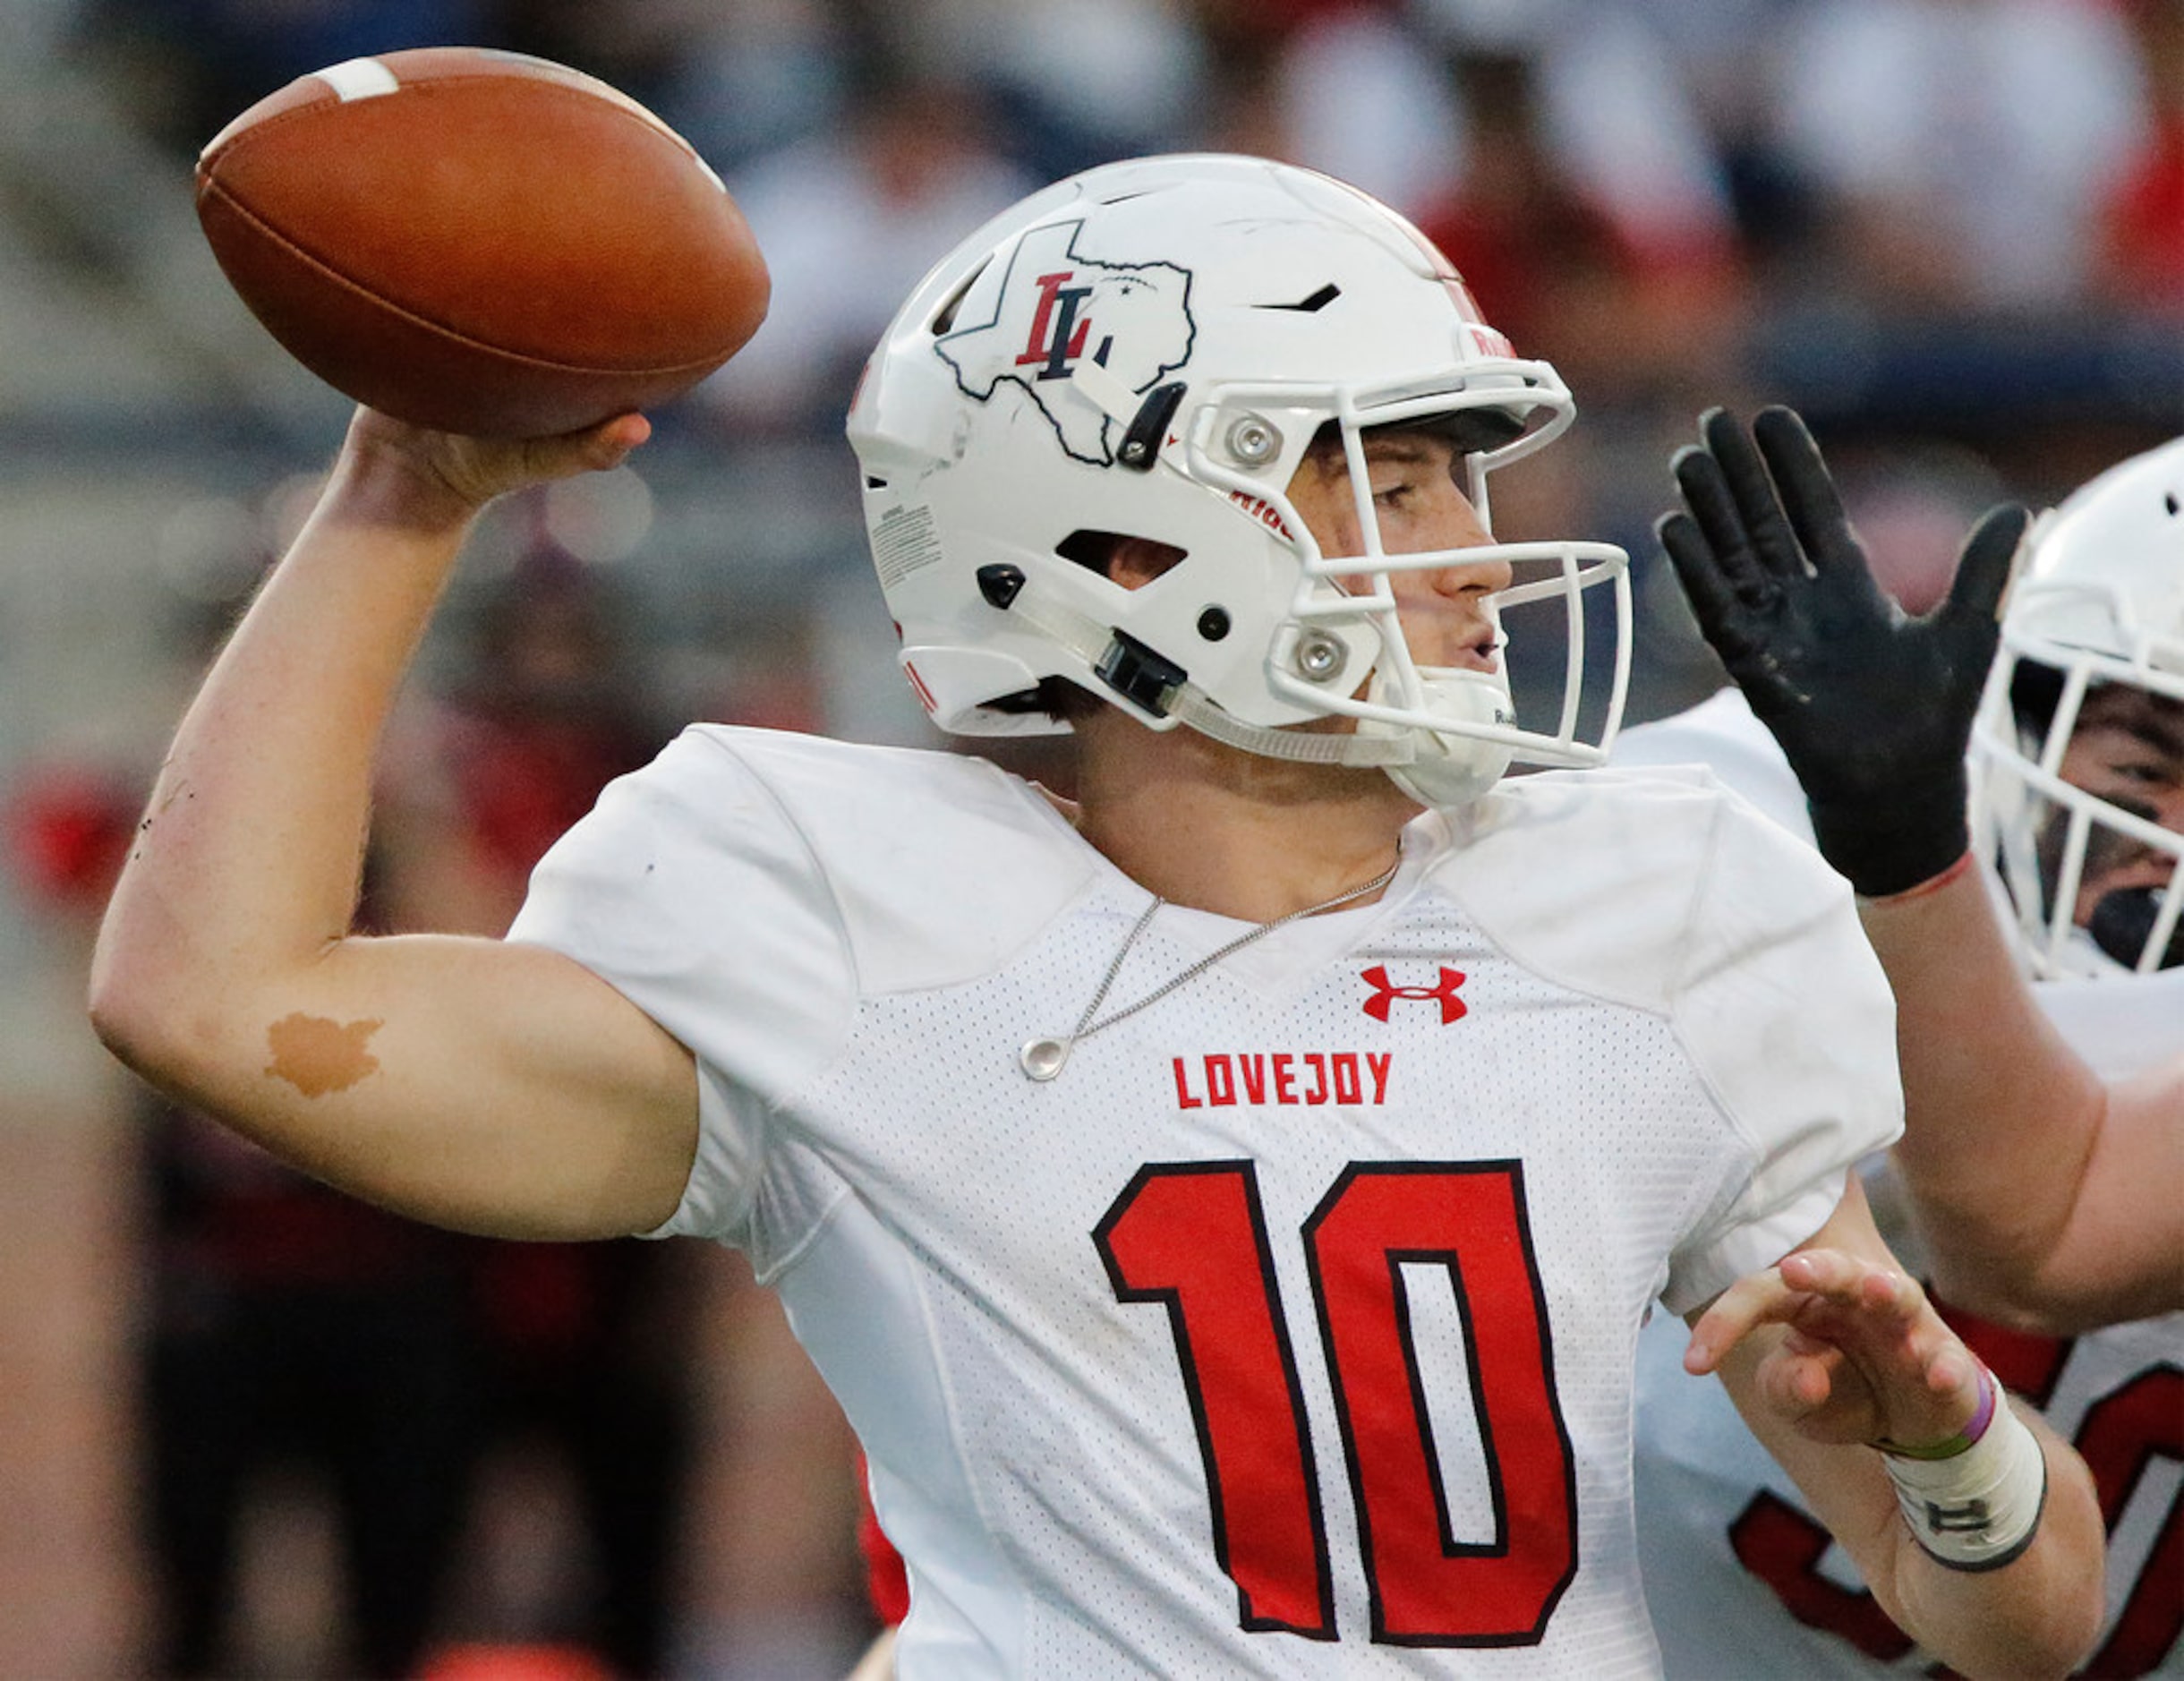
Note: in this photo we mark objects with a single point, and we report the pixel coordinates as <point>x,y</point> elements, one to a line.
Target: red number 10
<point>1193,1237</point>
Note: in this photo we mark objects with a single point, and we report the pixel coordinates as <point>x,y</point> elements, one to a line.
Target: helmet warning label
<point>903,542</point>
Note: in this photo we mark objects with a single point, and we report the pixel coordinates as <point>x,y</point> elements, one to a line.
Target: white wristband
<point>1979,1507</point>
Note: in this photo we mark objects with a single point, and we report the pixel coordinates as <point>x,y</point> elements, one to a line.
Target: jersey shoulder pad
<point>941,866</point>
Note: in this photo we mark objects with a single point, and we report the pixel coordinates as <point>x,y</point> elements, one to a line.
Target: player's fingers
<point>1757,507</point>
<point>593,449</point>
<point>1712,597</point>
<point>1761,1298</point>
<point>1877,1301</point>
<point>1886,1317</point>
<point>1818,1286</point>
<point>1951,1368</point>
<point>1987,562</point>
<point>1705,490</point>
<point>1798,1381</point>
<point>1807,490</point>
<point>609,443</point>
<point>1718,524</point>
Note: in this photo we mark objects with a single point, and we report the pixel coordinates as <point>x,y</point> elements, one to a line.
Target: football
<point>480,242</point>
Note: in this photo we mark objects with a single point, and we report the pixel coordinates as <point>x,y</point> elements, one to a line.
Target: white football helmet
<point>1146,350</point>
<point>2096,612</point>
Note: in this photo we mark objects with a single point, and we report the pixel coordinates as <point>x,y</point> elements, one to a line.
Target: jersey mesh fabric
<point>983,1266</point>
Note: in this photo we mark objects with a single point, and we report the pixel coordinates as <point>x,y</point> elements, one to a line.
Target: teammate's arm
<point>489,1087</point>
<point>2048,1198</point>
<point>1835,1349</point>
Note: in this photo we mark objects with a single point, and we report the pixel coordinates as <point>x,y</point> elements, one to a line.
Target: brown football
<point>480,242</point>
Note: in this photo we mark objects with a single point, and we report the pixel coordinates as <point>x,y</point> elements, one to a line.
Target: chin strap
<point>1453,767</point>
<point>1096,645</point>
<point>1301,747</point>
<point>1434,768</point>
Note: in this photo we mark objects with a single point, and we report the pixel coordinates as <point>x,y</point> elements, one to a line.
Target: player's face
<point>2127,749</point>
<point>1419,506</point>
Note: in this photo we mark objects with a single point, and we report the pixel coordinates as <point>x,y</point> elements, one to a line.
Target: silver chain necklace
<point>1043,1058</point>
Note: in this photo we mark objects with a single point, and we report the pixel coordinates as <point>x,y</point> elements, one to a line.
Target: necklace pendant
<point>1042,1059</point>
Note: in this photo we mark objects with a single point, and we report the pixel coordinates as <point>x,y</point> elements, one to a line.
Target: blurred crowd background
<point>247,1428</point>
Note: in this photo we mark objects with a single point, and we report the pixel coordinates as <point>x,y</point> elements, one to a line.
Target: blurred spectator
<point>2143,246</point>
<point>736,81</point>
<point>1070,85</point>
<point>1356,93</point>
<point>286,1327</point>
<point>1639,288</point>
<point>849,221</point>
<point>196,64</point>
<point>294,1328</point>
<point>581,1346</point>
<point>290,1328</point>
<point>1960,149</point>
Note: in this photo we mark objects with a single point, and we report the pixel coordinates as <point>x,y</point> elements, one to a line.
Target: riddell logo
<point>1385,992</point>
<point>1261,510</point>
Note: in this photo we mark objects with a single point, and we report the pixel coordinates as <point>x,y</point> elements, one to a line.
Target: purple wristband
<point>1982,1416</point>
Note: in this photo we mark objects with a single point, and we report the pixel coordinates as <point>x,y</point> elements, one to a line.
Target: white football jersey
<point>1289,1330</point>
<point>1742,1581</point>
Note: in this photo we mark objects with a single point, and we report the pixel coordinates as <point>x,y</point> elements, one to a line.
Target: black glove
<point>1873,709</point>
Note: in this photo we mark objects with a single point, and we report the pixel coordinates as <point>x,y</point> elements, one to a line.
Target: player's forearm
<point>247,861</point>
<point>2001,1114</point>
<point>2037,1616</point>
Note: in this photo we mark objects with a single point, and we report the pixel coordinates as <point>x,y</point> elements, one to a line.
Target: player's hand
<point>468,473</point>
<point>1873,709</point>
<point>1864,1356</point>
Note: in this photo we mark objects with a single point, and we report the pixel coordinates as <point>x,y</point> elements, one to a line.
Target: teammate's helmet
<point>2093,633</point>
<point>1146,350</point>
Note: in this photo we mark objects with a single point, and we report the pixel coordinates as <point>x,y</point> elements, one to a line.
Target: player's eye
<point>2144,770</point>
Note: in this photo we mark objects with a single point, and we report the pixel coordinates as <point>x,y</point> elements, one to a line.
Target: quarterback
<point>1159,1371</point>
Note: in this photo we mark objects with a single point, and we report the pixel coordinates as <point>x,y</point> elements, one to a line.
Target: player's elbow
<point>123,1013</point>
<point>2076,1280</point>
<point>143,1015</point>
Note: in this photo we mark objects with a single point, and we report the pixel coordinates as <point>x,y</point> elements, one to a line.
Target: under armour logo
<point>1385,992</point>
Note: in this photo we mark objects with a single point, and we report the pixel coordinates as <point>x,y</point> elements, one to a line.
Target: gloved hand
<point>1874,709</point>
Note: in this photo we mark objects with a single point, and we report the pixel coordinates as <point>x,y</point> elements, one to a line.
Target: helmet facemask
<point>2078,752</point>
<point>2096,881</point>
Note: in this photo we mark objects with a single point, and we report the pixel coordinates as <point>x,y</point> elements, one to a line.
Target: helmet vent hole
<point>1311,305</point>
<point>1129,561</point>
<point>945,320</point>
<point>2170,502</point>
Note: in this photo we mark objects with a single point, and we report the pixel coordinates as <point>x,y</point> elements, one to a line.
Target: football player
<point>2062,1216</point>
<point>1225,1205</point>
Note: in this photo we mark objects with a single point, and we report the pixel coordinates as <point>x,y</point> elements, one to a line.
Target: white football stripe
<point>358,79</point>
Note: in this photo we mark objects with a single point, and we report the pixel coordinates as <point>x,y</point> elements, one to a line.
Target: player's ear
<point>1132,562</point>
<point>1137,561</point>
